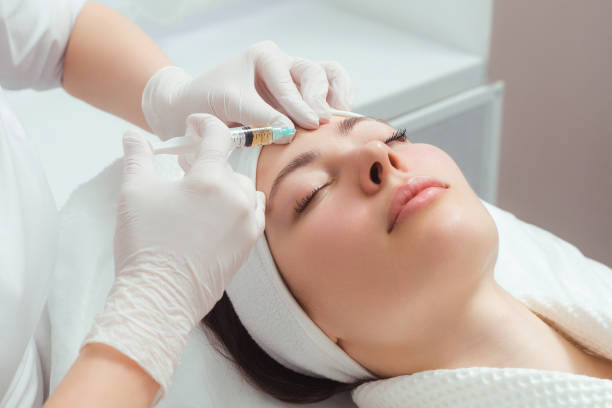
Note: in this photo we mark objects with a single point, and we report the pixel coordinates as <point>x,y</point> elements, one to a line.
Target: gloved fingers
<point>260,212</point>
<point>215,142</point>
<point>340,94</point>
<point>251,200</point>
<point>247,188</point>
<point>260,112</point>
<point>252,205</point>
<point>137,159</point>
<point>272,65</point>
<point>313,83</point>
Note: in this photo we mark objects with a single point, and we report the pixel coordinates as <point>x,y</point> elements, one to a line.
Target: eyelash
<point>300,205</point>
<point>399,135</point>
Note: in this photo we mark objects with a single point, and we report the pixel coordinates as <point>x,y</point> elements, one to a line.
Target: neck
<point>494,330</point>
<point>497,330</point>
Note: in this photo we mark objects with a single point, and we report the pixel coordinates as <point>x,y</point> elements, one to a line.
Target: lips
<point>412,195</point>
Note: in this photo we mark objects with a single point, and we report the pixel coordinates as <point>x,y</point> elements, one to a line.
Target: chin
<point>453,235</point>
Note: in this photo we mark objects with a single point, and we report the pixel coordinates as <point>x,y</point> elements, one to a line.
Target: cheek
<point>335,272</point>
<point>337,229</point>
<point>425,158</point>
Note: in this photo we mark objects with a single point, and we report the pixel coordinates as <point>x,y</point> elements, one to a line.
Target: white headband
<point>271,315</point>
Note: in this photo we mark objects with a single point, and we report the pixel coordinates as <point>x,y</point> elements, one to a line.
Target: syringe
<point>243,136</point>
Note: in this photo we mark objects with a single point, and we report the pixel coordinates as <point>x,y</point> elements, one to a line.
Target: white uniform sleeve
<point>33,39</point>
<point>28,248</point>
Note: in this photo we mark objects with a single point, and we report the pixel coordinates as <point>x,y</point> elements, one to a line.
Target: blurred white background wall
<point>163,12</point>
<point>555,57</point>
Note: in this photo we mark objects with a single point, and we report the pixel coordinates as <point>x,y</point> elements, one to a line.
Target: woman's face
<point>364,278</point>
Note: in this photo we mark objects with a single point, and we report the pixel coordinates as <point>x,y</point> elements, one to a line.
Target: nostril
<point>375,172</point>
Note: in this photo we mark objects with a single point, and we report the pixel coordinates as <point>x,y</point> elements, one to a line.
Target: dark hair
<point>261,369</point>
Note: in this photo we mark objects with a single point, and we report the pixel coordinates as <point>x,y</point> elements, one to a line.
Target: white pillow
<point>534,261</point>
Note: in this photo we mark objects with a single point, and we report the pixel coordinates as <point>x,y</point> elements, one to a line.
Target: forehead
<point>274,157</point>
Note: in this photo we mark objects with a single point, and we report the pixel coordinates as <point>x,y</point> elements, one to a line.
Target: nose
<point>376,162</point>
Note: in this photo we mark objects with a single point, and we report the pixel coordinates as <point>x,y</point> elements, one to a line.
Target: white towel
<point>486,387</point>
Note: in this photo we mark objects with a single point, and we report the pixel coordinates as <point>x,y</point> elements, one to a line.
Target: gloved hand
<point>177,246</point>
<point>249,89</point>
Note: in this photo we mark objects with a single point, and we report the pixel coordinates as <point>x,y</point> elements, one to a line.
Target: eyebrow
<point>303,159</point>
<point>348,124</point>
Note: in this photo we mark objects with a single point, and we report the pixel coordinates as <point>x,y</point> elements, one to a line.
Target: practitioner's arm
<point>103,377</point>
<point>109,61</point>
<point>167,276</point>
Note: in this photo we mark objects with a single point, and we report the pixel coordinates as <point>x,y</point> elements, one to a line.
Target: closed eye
<point>301,205</point>
<point>399,135</point>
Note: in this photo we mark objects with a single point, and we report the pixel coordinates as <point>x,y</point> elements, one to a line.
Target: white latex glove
<point>260,86</point>
<point>177,246</point>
